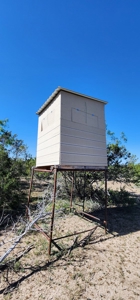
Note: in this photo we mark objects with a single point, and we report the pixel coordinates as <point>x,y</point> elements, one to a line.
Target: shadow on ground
<point>122,220</point>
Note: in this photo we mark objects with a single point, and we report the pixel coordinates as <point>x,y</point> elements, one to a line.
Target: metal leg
<point>71,191</point>
<point>29,196</point>
<point>53,210</point>
<point>105,201</point>
<point>84,190</point>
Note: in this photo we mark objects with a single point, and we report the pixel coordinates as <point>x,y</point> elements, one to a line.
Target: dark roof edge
<point>56,92</point>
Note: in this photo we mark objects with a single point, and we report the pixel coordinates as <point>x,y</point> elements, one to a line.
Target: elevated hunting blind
<point>71,131</point>
<point>71,136</point>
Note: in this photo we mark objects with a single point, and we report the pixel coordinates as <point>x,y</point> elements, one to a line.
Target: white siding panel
<point>71,131</point>
<point>76,150</point>
<point>65,139</point>
<point>83,137</point>
<point>48,140</point>
<point>84,160</point>
<point>92,120</point>
<point>83,108</point>
<point>48,143</point>
<point>82,127</point>
<point>78,133</point>
<point>78,116</point>
<point>48,160</point>
<point>48,150</point>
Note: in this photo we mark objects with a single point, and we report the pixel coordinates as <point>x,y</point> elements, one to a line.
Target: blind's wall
<point>48,141</point>
<point>83,139</point>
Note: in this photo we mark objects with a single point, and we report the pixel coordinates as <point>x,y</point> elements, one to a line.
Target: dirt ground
<point>91,265</point>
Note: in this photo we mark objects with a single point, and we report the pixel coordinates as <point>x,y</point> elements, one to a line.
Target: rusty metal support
<point>55,169</point>
<point>84,190</point>
<point>47,236</point>
<point>41,230</point>
<point>31,183</point>
<point>86,214</point>
<point>42,170</point>
<point>30,188</point>
<point>105,222</point>
<point>53,210</point>
<point>75,233</point>
<point>71,196</point>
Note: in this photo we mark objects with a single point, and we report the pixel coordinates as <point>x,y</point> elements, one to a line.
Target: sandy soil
<point>128,187</point>
<point>100,267</point>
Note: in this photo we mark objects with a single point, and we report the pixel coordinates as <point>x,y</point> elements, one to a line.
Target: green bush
<point>13,157</point>
<point>120,198</point>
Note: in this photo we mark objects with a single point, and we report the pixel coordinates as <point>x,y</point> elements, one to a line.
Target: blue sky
<point>90,46</point>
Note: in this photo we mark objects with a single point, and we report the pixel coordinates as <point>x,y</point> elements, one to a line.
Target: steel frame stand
<point>55,169</point>
<point>53,210</point>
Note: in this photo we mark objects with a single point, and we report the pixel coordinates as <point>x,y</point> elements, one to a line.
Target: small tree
<point>119,167</point>
<point>13,152</point>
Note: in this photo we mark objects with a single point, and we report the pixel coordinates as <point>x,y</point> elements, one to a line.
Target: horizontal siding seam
<point>88,155</point>
<point>48,154</point>
<point>48,139</point>
<point>83,138</point>
<point>49,131</point>
<point>84,163</point>
<point>50,163</point>
<point>84,131</point>
<point>87,147</point>
<point>47,146</point>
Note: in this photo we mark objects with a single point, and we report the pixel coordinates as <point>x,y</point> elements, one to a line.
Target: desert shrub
<point>120,198</point>
<point>13,155</point>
